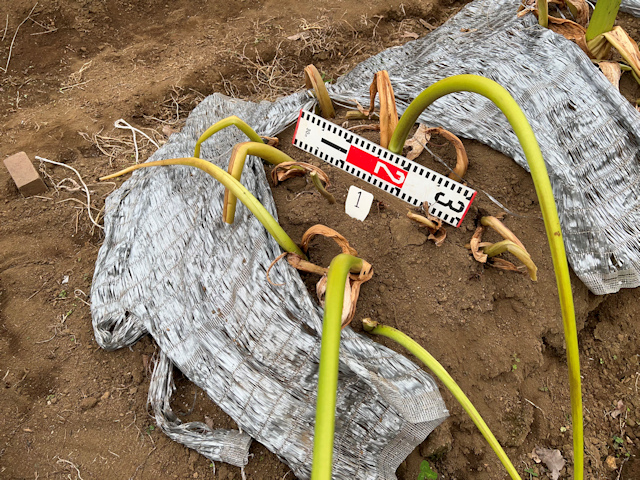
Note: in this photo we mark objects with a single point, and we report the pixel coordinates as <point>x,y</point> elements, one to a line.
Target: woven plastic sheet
<point>170,267</point>
<point>631,6</point>
<point>588,132</point>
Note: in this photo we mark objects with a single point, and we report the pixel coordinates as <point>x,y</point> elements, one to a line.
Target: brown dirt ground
<point>70,410</point>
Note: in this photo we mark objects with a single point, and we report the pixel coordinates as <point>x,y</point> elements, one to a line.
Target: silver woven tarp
<point>588,132</point>
<point>171,268</point>
<point>631,6</point>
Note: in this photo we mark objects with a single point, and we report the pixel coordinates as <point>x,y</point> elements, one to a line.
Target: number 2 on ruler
<point>398,180</point>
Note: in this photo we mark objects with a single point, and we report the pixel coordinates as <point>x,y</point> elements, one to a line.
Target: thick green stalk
<point>515,249</point>
<point>318,184</point>
<point>505,102</point>
<point>252,203</point>
<point>603,18</point>
<point>439,371</point>
<point>222,124</point>
<point>543,13</point>
<point>236,165</point>
<point>328,375</point>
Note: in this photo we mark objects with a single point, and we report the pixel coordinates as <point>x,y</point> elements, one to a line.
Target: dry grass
<point>176,106</point>
<point>5,69</point>
<point>318,37</point>
<point>119,146</point>
<point>76,79</point>
<point>270,79</point>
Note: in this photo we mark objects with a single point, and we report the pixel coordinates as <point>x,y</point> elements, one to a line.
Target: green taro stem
<point>328,375</point>
<point>252,203</point>
<point>236,165</point>
<point>222,124</point>
<point>439,371</point>
<point>602,18</point>
<point>505,102</point>
<point>543,13</point>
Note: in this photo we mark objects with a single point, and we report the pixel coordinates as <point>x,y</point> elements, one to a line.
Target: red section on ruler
<point>376,167</point>
<point>467,209</point>
<point>297,123</point>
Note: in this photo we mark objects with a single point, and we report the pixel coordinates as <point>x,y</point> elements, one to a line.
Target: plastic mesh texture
<point>587,131</point>
<point>229,446</point>
<point>170,267</point>
<point>631,6</point>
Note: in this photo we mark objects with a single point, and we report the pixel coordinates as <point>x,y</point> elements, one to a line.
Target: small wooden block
<point>24,174</point>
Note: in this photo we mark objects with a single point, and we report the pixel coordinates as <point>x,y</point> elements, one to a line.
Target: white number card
<point>358,203</point>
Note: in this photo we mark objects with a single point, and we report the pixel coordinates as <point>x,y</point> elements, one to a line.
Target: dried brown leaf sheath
<point>313,80</point>
<point>580,10</point>
<point>502,229</point>
<point>514,249</point>
<point>502,264</point>
<point>329,233</point>
<point>599,47</point>
<point>625,46</point>
<point>612,71</point>
<point>474,244</point>
<point>462,161</point>
<point>417,142</point>
<point>381,85</point>
<point>285,170</point>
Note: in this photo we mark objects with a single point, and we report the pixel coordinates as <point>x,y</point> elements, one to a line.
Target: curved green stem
<point>522,129</point>
<point>236,165</point>
<point>515,249</point>
<point>543,13</point>
<point>222,124</point>
<point>439,371</point>
<point>603,18</point>
<point>328,375</point>
<point>238,190</point>
<point>318,184</point>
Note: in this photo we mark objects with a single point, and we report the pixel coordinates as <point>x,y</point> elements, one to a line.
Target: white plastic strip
<point>407,180</point>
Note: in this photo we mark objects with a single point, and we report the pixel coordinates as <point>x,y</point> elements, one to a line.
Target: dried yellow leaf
<point>313,80</point>
<point>417,142</point>
<point>612,71</point>
<point>329,233</point>
<point>364,128</point>
<point>462,161</point>
<point>571,31</point>
<point>502,229</point>
<point>381,86</point>
<point>625,45</point>
<point>580,10</point>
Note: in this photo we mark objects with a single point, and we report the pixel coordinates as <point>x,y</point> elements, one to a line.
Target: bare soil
<point>70,410</point>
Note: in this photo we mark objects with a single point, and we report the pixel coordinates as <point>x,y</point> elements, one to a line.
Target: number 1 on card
<point>358,203</point>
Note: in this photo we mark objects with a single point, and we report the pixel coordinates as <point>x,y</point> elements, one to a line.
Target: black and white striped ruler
<point>397,175</point>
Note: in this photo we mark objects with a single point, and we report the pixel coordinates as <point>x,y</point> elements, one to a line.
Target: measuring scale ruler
<point>407,180</point>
